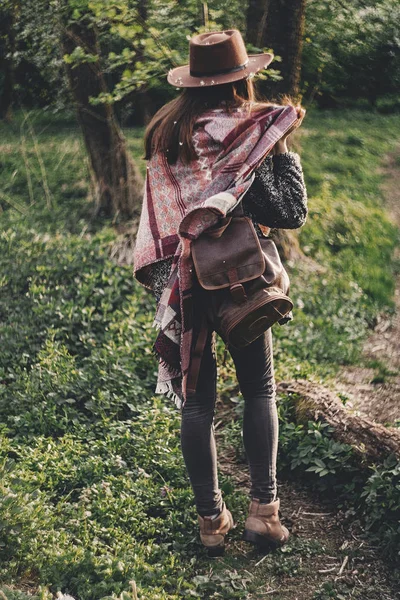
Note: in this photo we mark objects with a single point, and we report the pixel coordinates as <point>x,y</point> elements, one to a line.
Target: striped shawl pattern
<point>180,202</point>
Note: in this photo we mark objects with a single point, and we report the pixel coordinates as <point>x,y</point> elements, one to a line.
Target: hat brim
<point>181,77</point>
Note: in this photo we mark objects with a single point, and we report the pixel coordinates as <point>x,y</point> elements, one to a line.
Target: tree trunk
<point>142,104</point>
<point>279,24</point>
<point>7,48</point>
<point>118,180</point>
<point>370,441</point>
<point>257,13</point>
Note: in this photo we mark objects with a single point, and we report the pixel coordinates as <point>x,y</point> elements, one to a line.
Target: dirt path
<point>323,559</point>
<point>375,391</point>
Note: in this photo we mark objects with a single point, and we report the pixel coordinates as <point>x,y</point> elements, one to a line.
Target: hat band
<point>221,72</point>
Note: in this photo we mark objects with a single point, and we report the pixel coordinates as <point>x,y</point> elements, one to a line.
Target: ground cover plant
<point>93,489</point>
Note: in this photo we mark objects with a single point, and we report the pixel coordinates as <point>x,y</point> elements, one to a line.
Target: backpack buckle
<point>238,293</point>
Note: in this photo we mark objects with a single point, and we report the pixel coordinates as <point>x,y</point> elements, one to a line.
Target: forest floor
<point>374,390</point>
<point>325,558</point>
<point>94,491</point>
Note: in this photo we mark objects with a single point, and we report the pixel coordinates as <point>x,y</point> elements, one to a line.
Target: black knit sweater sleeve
<point>278,195</point>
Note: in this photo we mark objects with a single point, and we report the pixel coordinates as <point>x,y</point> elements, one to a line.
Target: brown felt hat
<point>218,57</point>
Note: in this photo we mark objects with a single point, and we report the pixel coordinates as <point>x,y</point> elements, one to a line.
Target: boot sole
<point>215,551</point>
<point>260,540</point>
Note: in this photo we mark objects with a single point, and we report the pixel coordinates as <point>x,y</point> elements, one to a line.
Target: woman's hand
<point>300,116</point>
<point>281,145</point>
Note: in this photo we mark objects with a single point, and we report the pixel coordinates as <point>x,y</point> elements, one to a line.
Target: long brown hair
<point>170,130</point>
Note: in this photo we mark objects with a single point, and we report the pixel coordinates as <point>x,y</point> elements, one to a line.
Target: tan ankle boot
<point>213,531</point>
<point>263,526</point>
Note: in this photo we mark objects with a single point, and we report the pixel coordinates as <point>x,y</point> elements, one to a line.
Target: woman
<point>211,147</point>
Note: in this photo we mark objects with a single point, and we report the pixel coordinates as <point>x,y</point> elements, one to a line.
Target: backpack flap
<point>229,255</point>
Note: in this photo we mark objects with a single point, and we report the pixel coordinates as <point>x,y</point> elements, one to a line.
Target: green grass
<point>94,491</point>
<point>346,224</point>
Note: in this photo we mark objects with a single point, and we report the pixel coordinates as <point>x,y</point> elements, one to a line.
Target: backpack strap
<point>237,211</point>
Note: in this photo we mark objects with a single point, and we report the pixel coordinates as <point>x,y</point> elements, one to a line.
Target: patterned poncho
<point>183,200</point>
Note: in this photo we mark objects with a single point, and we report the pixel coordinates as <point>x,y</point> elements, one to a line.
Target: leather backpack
<point>242,282</point>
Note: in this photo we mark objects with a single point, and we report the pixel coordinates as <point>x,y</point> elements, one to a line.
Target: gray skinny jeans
<point>255,373</point>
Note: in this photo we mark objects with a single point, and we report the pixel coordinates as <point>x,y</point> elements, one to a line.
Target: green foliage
<point>381,495</point>
<point>351,50</point>
<point>309,450</point>
<point>147,47</point>
<point>332,590</point>
<point>37,60</point>
<point>346,227</point>
<point>13,594</point>
<point>107,519</point>
<point>83,311</point>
